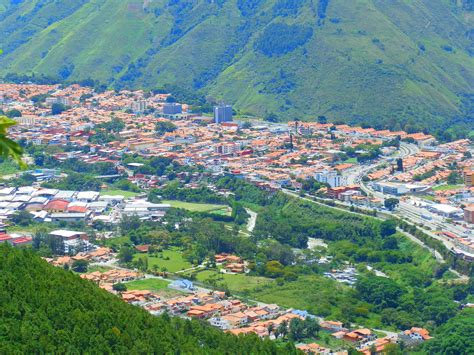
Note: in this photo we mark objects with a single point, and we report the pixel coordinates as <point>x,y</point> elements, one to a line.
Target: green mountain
<point>399,64</point>
<point>50,310</point>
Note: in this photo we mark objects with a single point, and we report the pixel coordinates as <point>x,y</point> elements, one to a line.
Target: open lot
<point>236,283</point>
<point>197,207</point>
<point>171,259</point>
<point>446,187</point>
<point>113,192</point>
<point>147,284</point>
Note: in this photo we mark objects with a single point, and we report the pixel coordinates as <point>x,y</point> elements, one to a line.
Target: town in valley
<point>144,196</point>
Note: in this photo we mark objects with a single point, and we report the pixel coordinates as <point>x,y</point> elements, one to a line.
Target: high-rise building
<point>469,178</point>
<point>222,113</point>
<point>139,106</point>
<point>172,108</point>
<point>332,178</point>
<point>469,214</point>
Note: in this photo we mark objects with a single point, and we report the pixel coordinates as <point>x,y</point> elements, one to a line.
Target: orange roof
<point>57,205</point>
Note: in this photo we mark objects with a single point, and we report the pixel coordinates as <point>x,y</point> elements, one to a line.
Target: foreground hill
<point>398,64</point>
<point>49,310</point>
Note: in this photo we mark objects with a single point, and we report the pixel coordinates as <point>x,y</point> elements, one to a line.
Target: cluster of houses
<point>107,279</point>
<point>463,243</point>
<point>97,255</point>
<point>16,240</point>
<point>270,156</point>
<point>263,153</point>
<point>231,263</point>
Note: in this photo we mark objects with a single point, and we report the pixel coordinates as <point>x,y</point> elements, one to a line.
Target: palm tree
<point>270,329</point>
<point>283,329</point>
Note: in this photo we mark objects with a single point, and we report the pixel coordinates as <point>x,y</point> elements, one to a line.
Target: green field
<point>350,161</point>
<point>170,259</point>
<point>113,192</point>
<point>198,207</point>
<point>99,268</point>
<point>235,283</point>
<point>446,187</point>
<point>147,284</point>
<point>8,167</point>
<point>316,294</point>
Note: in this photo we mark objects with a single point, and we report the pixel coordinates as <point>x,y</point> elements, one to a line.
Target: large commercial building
<point>172,108</point>
<point>222,113</point>
<point>391,188</point>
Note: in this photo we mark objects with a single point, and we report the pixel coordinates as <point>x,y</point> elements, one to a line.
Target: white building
<point>332,178</point>
<point>142,208</point>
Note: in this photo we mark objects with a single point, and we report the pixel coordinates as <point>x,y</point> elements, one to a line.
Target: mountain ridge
<point>404,65</point>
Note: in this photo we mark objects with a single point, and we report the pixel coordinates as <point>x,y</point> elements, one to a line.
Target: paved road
<point>252,220</point>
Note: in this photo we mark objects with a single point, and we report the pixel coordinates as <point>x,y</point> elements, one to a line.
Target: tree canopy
<point>50,310</point>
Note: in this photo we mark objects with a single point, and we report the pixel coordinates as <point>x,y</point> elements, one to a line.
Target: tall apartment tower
<point>222,113</point>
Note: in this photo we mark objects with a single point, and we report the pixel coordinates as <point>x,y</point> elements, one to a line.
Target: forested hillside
<point>399,64</point>
<point>49,310</point>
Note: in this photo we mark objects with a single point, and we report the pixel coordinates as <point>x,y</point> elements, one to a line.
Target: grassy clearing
<point>317,294</point>
<point>197,207</point>
<point>235,283</point>
<point>171,259</point>
<point>116,242</point>
<point>112,192</point>
<point>350,161</point>
<point>147,284</point>
<point>8,167</point>
<point>94,268</point>
<point>446,187</point>
<point>31,229</point>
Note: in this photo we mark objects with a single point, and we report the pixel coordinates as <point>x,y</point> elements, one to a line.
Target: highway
<point>407,210</point>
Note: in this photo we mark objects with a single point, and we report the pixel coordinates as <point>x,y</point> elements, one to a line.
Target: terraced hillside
<point>398,64</point>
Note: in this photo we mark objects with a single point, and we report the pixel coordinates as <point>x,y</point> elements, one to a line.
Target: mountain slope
<point>404,64</point>
<point>49,310</point>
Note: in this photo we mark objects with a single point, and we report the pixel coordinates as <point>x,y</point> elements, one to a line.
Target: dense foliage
<point>455,337</point>
<point>280,38</point>
<point>49,310</point>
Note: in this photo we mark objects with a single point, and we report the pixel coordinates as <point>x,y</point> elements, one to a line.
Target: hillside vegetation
<point>399,64</point>
<point>49,310</point>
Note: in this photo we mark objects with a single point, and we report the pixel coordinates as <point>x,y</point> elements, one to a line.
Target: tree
<point>125,255</point>
<point>79,266</point>
<point>388,227</point>
<point>14,113</point>
<point>119,287</point>
<point>57,108</point>
<point>271,117</point>
<point>322,119</point>
<point>391,203</point>
<point>246,125</point>
<point>399,164</point>
<point>380,291</point>
<point>282,329</point>
<point>162,127</point>
<point>22,218</point>
<point>296,331</point>
<point>454,337</point>
<point>454,178</point>
<point>129,223</point>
